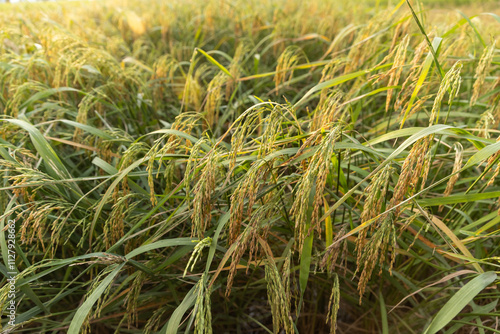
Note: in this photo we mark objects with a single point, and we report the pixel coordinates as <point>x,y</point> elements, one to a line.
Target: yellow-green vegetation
<point>248,166</point>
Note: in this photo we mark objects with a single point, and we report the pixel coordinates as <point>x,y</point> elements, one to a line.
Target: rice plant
<point>251,166</point>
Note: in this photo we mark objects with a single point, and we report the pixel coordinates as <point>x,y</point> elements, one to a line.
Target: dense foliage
<point>250,166</point>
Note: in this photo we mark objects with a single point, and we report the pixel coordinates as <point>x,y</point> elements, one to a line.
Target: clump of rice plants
<point>250,166</point>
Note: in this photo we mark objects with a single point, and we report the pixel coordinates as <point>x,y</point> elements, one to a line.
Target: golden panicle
<point>381,243</point>
<point>494,176</point>
<point>203,318</point>
<point>240,135</point>
<point>245,194</point>
<point>394,73</point>
<point>486,122</point>
<point>132,154</point>
<point>482,70</point>
<point>237,250</point>
<point>397,68</point>
<point>456,46</point>
<point>165,67</point>
<point>284,69</point>
<point>375,198</point>
<point>375,194</point>
<point>202,203</point>
<point>83,110</point>
<point>20,93</point>
<point>411,171</point>
<point>399,62</point>
<point>167,144</point>
<point>193,89</point>
<point>401,30</point>
<point>273,128</point>
<point>451,82</point>
<point>412,76</point>
<point>235,68</point>
<point>214,98</point>
<point>276,294</point>
<point>333,251</point>
<point>456,167</point>
<point>363,44</point>
<point>425,169</point>
<point>196,156</point>
<point>257,227</point>
<point>164,73</point>
<point>330,70</point>
<point>334,305</point>
<point>34,225</point>
<point>489,164</point>
<point>131,299</point>
<point>114,226</point>
<point>328,111</point>
<point>314,178</point>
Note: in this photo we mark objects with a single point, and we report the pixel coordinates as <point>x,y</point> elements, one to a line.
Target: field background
<point>251,166</point>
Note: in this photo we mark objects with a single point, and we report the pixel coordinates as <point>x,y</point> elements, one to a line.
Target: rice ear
<point>280,306</point>
<point>334,305</point>
<point>314,177</point>
<point>456,167</point>
<point>203,317</point>
<point>451,82</point>
<point>482,71</point>
<point>284,69</point>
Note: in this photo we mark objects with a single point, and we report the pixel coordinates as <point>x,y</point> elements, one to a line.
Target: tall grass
<point>250,166</point>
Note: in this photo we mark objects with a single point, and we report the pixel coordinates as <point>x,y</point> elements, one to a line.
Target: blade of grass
<point>83,311</point>
<point>459,300</point>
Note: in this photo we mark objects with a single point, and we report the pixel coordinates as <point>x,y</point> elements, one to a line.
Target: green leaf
<point>222,222</point>
<point>483,309</point>
<point>46,93</point>
<point>459,300</point>
<point>213,61</point>
<point>176,318</point>
<point>433,49</point>
<point>306,254</point>
<point>483,154</point>
<point>458,198</point>
<point>30,314</point>
<point>383,314</point>
<point>54,165</point>
<point>160,244</point>
<point>179,134</point>
<point>423,75</point>
<point>109,192</point>
<point>334,82</point>
<point>88,128</point>
<point>305,262</point>
<point>473,27</point>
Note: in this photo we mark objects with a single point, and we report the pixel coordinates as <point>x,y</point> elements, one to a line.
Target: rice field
<point>250,166</point>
